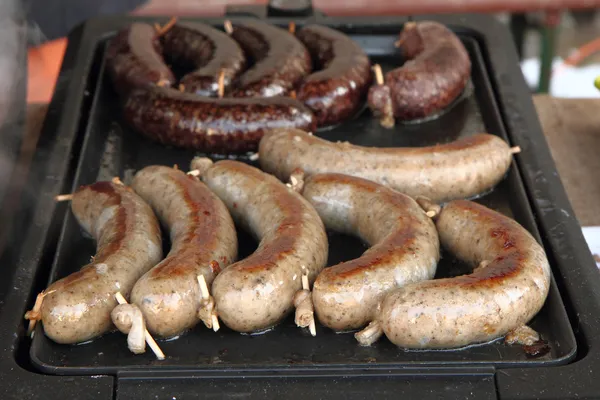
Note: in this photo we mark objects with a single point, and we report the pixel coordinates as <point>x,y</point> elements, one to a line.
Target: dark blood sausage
<point>507,288</point>
<point>337,91</point>
<point>134,59</point>
<point>280,60</point>
<point>207,51</point>
<point>77,308</point>
<point>435,74</point>
<point>404,247</point>
<point>461,169</point>
<point>256,293</point>
<point>226,125</point>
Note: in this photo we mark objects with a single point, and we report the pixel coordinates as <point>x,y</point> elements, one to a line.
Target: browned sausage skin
<point>77,308</point>
<point>256,293</point>
<point>404,247</point>
<point>134,59</point>
<point>434,75</point>
<point>461,169</point>
<point>337,91</point>
<point>227,125</point>
<point>203,242</point>
<point>206,50</point>
<point>280,60</point>
<point>507,288</point>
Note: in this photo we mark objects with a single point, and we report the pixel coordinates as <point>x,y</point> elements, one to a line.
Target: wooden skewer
<point>175,166</point>
<point>34,314</point>
<point>311,327</point>
<point>117,181</point>
<point>206,295</point>
<point>221,90</point>
<point>292,27</point>
<point>149,339</point>
<point>194,172</point>
<point>378,74</point>
<point>515,150</point>
<point>63,197</point>
<point>228,27</point>
<point>161,30</point>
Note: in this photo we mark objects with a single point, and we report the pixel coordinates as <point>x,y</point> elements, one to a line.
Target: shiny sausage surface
<point>203,242</point>
<point>77,307</point>
<point>461,169</point>
<point>404,247</point>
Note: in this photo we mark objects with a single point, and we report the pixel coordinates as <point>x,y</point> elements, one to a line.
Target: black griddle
<point>85,140</point>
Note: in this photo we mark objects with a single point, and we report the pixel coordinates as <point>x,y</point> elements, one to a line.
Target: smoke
<point>13,77</point>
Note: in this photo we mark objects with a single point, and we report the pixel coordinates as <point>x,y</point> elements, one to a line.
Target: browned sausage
<point>404,247</point>
<point>338,90</point>
<point>203,241</point>
<point>134,59</point>
<point>207,51</point>
<point>227,125</point>
<point>77,308</point>
<point>280,60</point>
<point>507,288</point>
<point>434,75</point>
<point>256,293</point>
<point>461,169</point>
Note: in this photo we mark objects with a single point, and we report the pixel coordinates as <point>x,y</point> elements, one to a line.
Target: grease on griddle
<point>536,350</point>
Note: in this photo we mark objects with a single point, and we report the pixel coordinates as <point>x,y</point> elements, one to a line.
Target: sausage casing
<point>337,91</point>
<point>203,241</point>
<point>280,60</point>
<point>207,51</point>
<point>227,125</point>
<point>404,247</point>
<point>507,289</point>
<point>435,73</point>
<point>257,292</point>
<point>77,308</point>
<point>460,169</point>
<point>134,59</point>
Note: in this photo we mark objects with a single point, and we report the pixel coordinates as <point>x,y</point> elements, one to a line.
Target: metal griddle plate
<point>84,121</point>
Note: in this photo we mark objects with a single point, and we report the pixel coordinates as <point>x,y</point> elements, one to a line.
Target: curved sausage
<point>508,287</point>
<point>256,293</point>
<point>337,91</point>
<point>77,308</point>
<point>134,59</point>
<point>404,247</point>
<point>435,74</point>
<point>280,60</point>
<point>203,241</point>
<point>206,50</point>
<point>211,125</point>
<point>464,168</point>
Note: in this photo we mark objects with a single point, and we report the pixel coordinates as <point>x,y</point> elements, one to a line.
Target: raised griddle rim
<point>520,205</point>
<point>559,227</point>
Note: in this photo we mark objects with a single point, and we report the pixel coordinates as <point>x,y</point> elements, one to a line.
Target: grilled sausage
<point>505,291</point>
<point>206,50</point>
<point>77,308</point>
<point>203,241</point>
<point>435,74</point>
<point>280,60</point>
<point>134,59</point>
<point>256,293</point>
<point>404,247</point>
<point>461,169</point>
<point>337,91</point>
<point>211,125</point>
